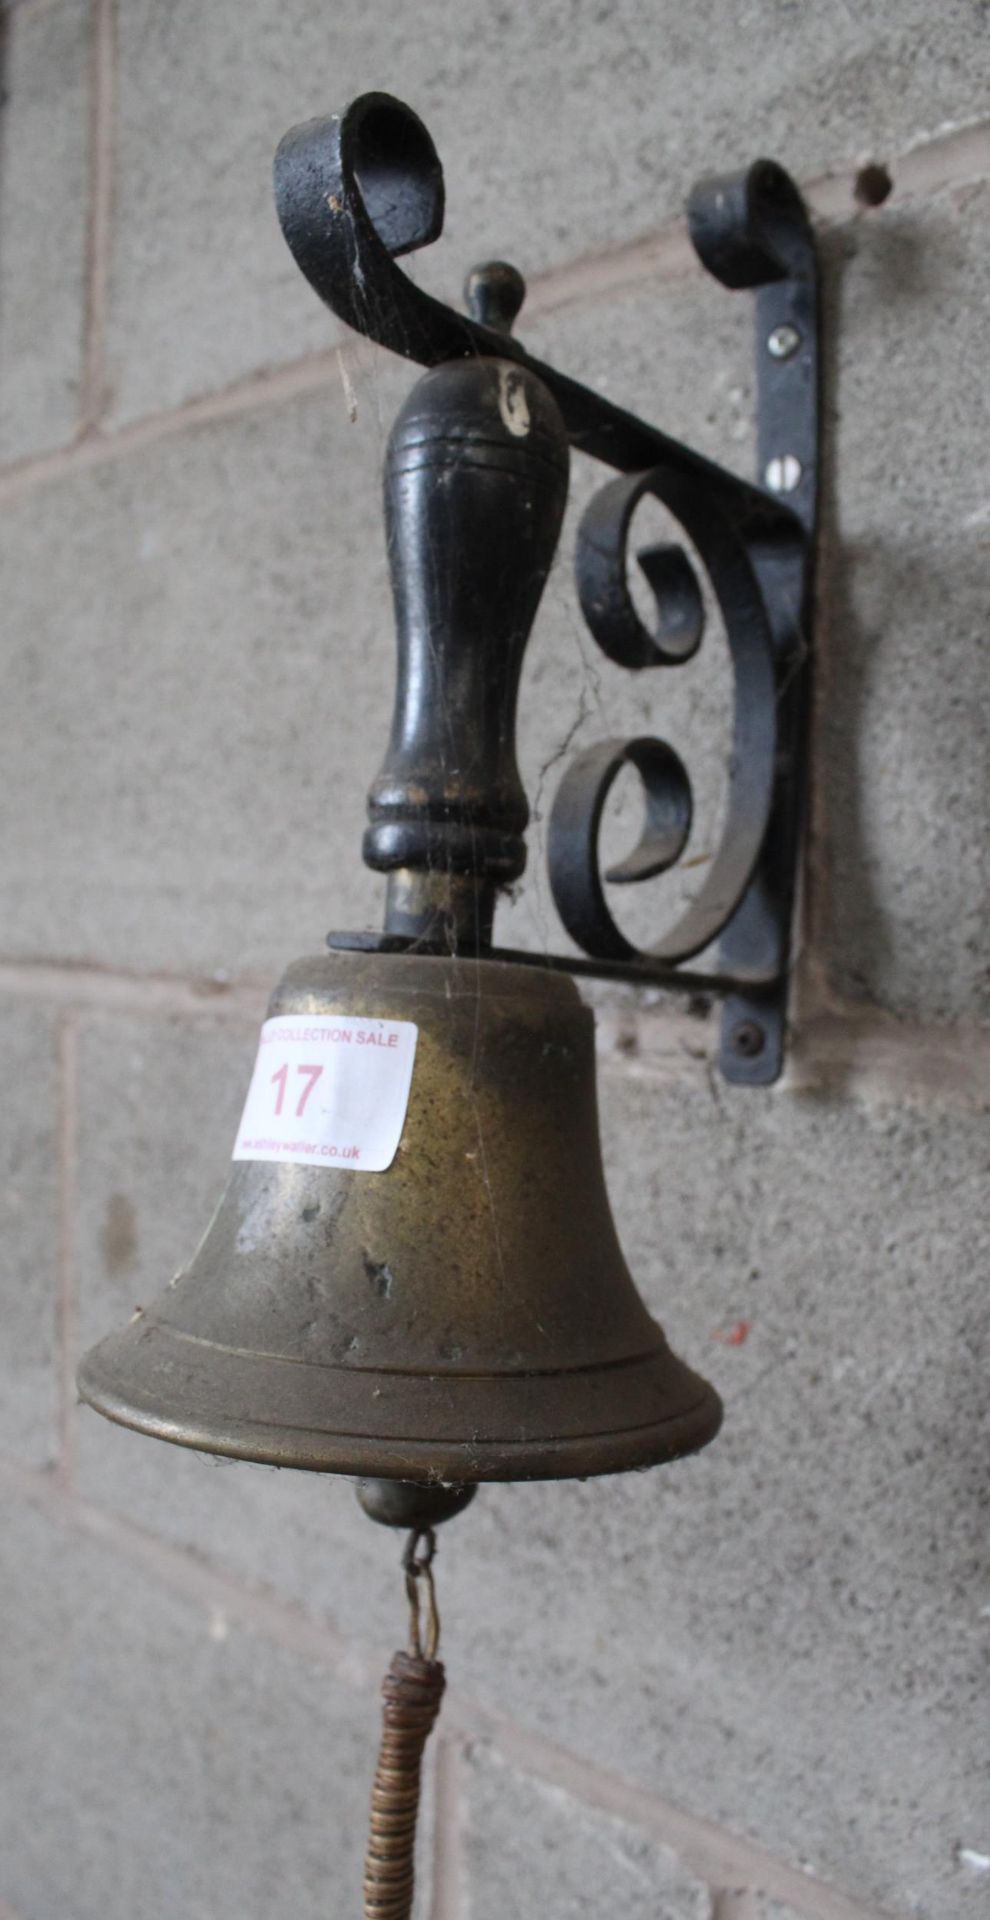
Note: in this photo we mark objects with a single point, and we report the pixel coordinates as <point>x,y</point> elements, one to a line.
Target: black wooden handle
<point>475,486</point>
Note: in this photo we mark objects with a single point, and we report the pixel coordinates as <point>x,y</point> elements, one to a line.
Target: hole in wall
<point>872,185</point>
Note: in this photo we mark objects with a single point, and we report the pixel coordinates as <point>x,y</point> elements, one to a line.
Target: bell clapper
<point>412,1691</point>
<point>413,1507</point>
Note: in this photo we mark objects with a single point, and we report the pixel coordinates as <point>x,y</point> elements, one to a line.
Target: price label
<point>329,1091</point>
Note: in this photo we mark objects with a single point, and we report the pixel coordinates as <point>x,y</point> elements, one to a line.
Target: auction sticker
<point>328,1090</point>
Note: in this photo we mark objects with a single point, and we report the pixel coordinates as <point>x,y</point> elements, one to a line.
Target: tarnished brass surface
<point>466,1315</point>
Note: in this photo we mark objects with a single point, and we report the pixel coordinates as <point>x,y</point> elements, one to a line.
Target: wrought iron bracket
<point>356,192</point>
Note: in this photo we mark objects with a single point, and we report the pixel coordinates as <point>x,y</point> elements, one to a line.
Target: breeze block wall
<point>753,1686</point>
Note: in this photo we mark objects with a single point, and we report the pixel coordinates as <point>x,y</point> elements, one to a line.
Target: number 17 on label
<point>329,1091</point>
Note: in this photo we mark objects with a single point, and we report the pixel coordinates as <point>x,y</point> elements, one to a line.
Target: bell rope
<point>412,1691</point>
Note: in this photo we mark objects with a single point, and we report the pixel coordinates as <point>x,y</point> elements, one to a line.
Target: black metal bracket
<point>356,192</point>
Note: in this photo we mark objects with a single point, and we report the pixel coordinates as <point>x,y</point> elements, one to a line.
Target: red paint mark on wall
<point>734,1336</point>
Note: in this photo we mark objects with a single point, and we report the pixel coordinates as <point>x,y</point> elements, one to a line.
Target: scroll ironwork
<point>357,192</point>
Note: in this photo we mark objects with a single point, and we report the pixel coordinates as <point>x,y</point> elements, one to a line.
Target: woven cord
<point>412,1691</point>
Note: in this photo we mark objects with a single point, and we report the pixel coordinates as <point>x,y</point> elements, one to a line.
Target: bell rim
<point>586,1455</point>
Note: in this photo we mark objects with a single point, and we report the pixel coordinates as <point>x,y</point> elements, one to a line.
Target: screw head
<point>783,342</point>
<point>783,473</point>
<point>748,1039</point>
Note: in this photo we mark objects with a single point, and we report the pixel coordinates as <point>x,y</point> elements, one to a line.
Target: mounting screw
<point>783,342</point>
<point>783,473</point>
<point>748,1039</point>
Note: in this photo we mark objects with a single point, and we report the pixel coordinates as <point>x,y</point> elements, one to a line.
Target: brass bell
<point>464,1315</point>
<point>449,1304</point>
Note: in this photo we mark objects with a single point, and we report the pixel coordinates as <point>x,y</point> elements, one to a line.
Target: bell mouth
<point>567,1424</point>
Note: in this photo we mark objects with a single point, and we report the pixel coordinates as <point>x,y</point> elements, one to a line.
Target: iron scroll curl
<point>572,843</point>
<point>356,191</point>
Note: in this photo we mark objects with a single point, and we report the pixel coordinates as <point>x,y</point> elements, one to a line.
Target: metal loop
<point>601,561</point>
<point>572,844</point>
<point>752,227</point>
<point>410,1559</point>
<point>575,824</point>
<point>418,1569</point>
<point>355,191</point>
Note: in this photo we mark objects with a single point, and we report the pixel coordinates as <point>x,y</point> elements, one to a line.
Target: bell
<point>413,1275</point>
<point>463,1313</point>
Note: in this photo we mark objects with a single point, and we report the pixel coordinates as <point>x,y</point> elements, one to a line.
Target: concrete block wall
<point>753,1687</point>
